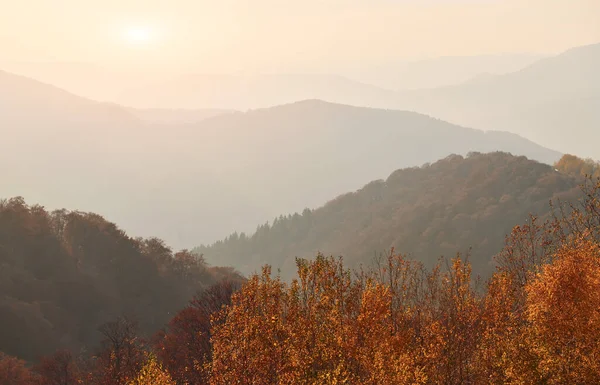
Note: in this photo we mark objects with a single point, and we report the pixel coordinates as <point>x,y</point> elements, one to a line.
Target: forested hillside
<point>535,321</point>
<point>439,209</point>
<point>64,274</point>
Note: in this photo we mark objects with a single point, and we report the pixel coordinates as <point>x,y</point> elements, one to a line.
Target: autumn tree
<point>249,345</point>
<point>386,354</point>
<point>59,369</point>
<point>151,373</point>
<point>564,320</point>
<point>14,372</point>
<point>391,325</point>
<point>454,325</point>
<point>122,354</point>
<point>185,346</point>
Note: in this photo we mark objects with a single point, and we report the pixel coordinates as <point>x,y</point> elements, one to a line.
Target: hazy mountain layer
<point>442,71</point>
<point>540,101</point>
<point>175,116</point>
<point>161,90</point>
<point>555,102</point>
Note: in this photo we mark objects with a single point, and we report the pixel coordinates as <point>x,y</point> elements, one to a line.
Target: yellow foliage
<point>152,374</point>
<point>573,165</point>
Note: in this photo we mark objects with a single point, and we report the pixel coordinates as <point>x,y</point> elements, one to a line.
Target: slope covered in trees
<point>64,274</point>
<point>535,321</point>
<point>451,205</point>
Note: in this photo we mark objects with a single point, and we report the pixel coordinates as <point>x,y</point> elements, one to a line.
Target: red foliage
<point>185,348</point>
<point>59,369</point>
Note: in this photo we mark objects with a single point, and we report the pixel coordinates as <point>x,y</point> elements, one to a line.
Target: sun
<point>138,35</point>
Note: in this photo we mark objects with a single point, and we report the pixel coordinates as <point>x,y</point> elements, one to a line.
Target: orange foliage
<point>564,317</point>
<point>393,326</point>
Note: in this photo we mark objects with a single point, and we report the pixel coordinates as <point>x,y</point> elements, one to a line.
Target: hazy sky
<point>286,35</point>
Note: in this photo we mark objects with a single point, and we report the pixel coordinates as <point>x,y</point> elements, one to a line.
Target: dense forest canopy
<point>455,204</point>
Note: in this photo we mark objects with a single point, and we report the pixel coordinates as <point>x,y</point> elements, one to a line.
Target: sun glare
<point>138,35</point>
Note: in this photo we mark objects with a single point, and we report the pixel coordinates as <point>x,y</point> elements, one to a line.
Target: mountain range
<point>192,183</point>
<point>539,101</point>
<point>124,87</point>
<point>536,97</point>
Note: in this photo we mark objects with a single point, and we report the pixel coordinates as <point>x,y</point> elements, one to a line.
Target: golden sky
<point>288,35</point>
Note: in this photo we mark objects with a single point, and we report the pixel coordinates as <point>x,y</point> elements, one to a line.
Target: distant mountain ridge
<point>176,116</point>
<point>243,92</point>
<point>237,91</point>
<point>555,101</point>
<point>539,101</point>
<point>442,71</point>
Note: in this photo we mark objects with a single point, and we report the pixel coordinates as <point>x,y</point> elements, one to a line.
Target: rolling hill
<point>194,183</point>
<point>449,206</point>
